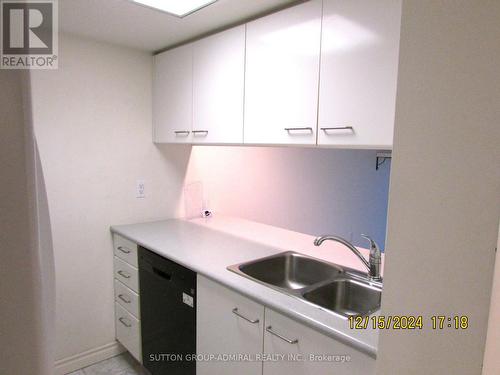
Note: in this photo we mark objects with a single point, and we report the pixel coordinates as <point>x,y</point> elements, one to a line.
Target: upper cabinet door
<point>281,78</point>
<point>218,87</point>
<point>173,95</point>
<point>359,65</point>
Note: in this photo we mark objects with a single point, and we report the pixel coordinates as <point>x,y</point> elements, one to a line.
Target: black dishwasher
<point>168,315</point>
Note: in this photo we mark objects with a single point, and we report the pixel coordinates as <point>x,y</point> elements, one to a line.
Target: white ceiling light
<point>179,8</point>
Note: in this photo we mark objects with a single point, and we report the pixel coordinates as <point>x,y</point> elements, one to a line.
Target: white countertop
<point>208,246</point>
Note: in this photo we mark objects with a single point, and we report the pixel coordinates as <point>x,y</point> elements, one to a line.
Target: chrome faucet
<point>375,260</point>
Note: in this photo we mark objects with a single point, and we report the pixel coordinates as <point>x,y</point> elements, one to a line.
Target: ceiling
<point>125,23</point>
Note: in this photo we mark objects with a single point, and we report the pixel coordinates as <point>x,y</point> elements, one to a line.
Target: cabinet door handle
<point>200,131</point>
<point>253,321</point>
<point>124,322</point>
<point>120,296</point>
<point>124,250</point>
<point>270,330</point>
<point>309,129</point>
<point>338,128</point>
<point>182,132</point>
<point>124,274</point>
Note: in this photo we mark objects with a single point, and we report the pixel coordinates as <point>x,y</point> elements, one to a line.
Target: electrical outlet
<point>140,191</point>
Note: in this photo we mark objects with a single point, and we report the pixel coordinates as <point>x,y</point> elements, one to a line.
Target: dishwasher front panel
<point>168,315</point>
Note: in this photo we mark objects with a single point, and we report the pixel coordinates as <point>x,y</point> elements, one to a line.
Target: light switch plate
<point>140,189</point>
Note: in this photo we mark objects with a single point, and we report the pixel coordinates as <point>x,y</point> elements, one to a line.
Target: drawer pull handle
<point>253,321</point>
<point>270,330</point>
<point>124,250</point>
<point>120,296</point>
<point>200,132</point>
<point>186,132</point>
<point>124,322</point>
<point>309,129</point>
<point>338,128</point>
<point>124,274</point>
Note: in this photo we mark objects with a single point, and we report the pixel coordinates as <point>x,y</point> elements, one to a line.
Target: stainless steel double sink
<point>338,289</point>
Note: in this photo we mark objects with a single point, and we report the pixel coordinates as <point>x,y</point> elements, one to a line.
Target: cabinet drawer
<point>127,298</point>
<point>128,331</point>
<point>125,249</point>
<point>127,274</point>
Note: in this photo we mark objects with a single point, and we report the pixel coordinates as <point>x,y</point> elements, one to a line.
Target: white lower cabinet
<point>267,342</point>
<point>127,274</point>
<point>303,351</point>
<point>227,323</point>
<point>128,331</point>
<point>127,302</point>
<point>125,250</point>
<point>127,298</point>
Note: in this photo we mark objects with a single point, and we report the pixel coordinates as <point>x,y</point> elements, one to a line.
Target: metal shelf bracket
<point>382,157</point>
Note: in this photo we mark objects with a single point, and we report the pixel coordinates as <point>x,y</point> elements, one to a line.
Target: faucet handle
<point>375,259</point>
<point>374,248</point>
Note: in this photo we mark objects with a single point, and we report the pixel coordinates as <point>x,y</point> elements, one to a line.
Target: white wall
<point>492,351</point>
<point>93,124</point>
<point>26,268</point>
<point>445,186</point>
<point>314,191</point>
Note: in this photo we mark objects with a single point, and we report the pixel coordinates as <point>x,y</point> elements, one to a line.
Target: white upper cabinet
<point>218,87</point>
<point>173,95</point>
<point>281,77</point>
<point>321,72</point>
<point>359,65</point>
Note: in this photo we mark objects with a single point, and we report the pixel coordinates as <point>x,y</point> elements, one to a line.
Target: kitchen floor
<point>123,364</point>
